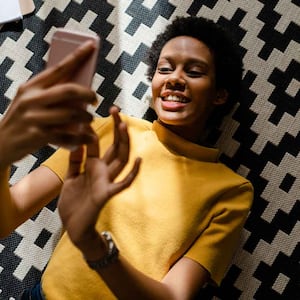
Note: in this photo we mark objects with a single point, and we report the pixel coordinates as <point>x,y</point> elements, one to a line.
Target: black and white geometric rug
<point>262,141</point>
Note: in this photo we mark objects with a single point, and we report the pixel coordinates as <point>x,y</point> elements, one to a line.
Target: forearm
<point>125,281</point>
<point>25,198</point>
<point>128,283</point>
<point>7,209</point>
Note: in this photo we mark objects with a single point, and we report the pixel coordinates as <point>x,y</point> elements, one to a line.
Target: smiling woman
<point>223,54</point>
<point>159,229</point>
<point>184,87</point>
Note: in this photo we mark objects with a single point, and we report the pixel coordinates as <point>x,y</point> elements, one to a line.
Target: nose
<point>175,81</point>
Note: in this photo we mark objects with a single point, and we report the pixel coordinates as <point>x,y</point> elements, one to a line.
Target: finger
<point>69,93</point>
<point>60,94</point>
<point>117,121</point>
<point>114,111</point>
<point>70,136</point>
<point>70,141</point>
<point>93,148</point>
<point>126,182</point>
<point>66,67</point>
<point>75,161</point>
<point>111,152</point>
<point>57,116</point>
<point>121,154</point>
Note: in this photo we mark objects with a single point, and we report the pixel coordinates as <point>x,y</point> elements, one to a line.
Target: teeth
<point>175,98</point>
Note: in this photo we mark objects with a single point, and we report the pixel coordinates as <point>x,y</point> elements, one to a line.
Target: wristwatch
<point>110,257</point>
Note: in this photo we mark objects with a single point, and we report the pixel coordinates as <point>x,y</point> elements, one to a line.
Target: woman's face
<point>184,86</point>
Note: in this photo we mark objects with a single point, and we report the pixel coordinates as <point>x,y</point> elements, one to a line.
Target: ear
<point>222,96</point>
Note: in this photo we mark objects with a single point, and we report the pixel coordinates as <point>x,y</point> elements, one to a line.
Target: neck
<point>189,133</point>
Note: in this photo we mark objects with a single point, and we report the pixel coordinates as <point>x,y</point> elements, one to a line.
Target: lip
<point>173,106</point>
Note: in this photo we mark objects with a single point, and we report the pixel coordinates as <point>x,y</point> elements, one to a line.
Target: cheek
<point>204,89</point>
<point>156,86</point>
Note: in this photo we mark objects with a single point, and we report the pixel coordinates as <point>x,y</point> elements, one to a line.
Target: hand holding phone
<point>63,43</point>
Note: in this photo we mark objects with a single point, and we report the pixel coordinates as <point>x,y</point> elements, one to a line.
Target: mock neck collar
<point>183,147</point>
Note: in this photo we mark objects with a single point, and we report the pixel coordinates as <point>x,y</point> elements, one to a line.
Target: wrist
<point>111,255</point>
<point>94,247</point>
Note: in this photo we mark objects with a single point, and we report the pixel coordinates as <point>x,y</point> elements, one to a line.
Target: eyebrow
<point>190,61</point>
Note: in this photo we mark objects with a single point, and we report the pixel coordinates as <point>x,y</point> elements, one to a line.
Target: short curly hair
<point>226,52</point>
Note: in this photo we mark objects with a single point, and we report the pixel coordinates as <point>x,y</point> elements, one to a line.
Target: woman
<point>156,229</point>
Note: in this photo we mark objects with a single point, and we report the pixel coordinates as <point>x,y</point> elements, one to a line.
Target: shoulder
<point>228,174</point>
<point>234,184</point>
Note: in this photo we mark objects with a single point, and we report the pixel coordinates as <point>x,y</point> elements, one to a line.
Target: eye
<point>164,70</point>
<point>164,67</point>
<point>195,72</point>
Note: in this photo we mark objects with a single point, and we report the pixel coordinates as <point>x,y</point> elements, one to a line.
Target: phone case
<point>65,41</point>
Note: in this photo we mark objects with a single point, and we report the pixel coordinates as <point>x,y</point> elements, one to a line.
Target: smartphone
<point>65,41</point>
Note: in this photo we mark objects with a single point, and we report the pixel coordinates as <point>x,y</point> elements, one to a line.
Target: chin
<point>172,121</point>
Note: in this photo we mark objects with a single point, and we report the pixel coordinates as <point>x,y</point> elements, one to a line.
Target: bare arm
<point>43,111</point>
<point>182,282</point>
<point>26,198</point>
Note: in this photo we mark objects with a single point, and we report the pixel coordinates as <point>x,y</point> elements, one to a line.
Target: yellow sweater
<point>183,203</point>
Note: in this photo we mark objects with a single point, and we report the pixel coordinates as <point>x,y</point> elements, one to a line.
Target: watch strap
<point>110,257</point>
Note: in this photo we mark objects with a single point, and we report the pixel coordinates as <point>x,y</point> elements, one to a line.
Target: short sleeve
<point>217,244</point>
<point>58,162</point>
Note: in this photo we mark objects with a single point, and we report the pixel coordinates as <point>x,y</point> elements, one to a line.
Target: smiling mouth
<point>175,98</point>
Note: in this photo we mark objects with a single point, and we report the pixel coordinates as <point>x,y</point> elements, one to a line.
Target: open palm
<point>86,191</point>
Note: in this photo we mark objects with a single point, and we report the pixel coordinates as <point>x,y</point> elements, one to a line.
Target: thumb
<point>75,162</point>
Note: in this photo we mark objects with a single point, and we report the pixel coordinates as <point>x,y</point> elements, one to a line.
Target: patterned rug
<point>261,142</point>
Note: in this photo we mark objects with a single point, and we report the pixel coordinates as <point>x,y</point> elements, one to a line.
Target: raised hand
<point>90,183</point>
<point>48,109</point>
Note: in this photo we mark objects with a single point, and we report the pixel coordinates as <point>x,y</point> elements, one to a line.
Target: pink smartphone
<point>65,41</point>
